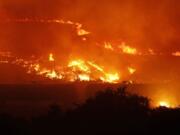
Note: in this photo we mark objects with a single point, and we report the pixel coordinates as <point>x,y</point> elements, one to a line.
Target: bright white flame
<point>164,104</point>
<point>51,57</point>
<point>84,77</point>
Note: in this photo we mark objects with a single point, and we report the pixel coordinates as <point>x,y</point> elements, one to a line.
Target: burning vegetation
<point>74,69</point>
<point>79,67</point>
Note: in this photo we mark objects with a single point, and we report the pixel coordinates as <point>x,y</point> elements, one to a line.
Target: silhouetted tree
<point>109,112</point>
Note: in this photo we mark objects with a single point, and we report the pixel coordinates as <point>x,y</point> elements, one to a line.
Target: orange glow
<point>166,101</point>
<point>4,62</point>
<point>151,52</point>
<point>176,54</point>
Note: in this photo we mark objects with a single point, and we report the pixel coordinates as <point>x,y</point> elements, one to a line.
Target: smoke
<point>143,24</point>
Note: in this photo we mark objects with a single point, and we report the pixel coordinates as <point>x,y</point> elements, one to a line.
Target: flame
<point>97,67</point>
<point>87,68</point>
<point>78,65</point>
<point>78,26</point>
<point>127,49</point>
<point>84,77</point>
<point>76,69</point>
<point>131,70</point>
<point>108,45</point>
<point>110,78</point>
<point>51,57</point>
<point>36,67</point>
<point>53,75</point>
<point>164,104</point>
<point>168,101</point>
<point>80,31</point>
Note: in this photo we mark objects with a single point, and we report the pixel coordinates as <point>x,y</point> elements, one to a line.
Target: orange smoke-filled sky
<point>145,24</point>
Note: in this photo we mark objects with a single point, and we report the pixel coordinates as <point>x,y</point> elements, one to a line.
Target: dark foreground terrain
<point>27,100</point>
<point>109,112</point>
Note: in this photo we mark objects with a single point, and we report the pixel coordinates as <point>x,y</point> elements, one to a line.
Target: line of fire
<point>79,67</point>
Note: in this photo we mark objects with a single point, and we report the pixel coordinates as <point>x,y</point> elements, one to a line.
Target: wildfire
<point>131,70</point>
<point>110,78</point>
<point>127,49</point>
<point>87,68</point>
<point>78,26</point>
<point>51,57</point>
<point>108,45</point>
<point>81,69</point>
<point>164,104</point>
<point>96,66</point>
<point>168,102</point>
<point>78,65</point>
<point>53,75</point>
<point>36,67</point>
<point>80,31</point>
<point>84,77</point>
<point>75,70</point>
